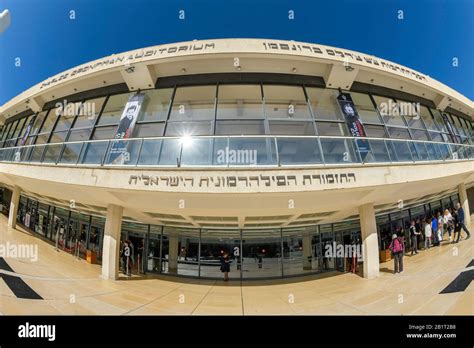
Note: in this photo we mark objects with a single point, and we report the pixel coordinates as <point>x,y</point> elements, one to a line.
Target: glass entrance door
<point>214,245</point>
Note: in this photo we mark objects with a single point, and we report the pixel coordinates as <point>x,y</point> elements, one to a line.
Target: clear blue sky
<point>48,42</point>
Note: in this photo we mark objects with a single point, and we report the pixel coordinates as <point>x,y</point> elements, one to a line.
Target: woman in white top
<point>428,233</point>
<point>447,221</point>
<point>440,227</point>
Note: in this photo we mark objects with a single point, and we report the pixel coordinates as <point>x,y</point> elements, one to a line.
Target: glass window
<point>291,128</point>
<point>104,133</point>
<point>300,246</point>
<point>285,102</point>
<point>156,105</point>
<point>261,255</point>
<point>398,133</point>
<point>298,150</point>
<point>419,134</point>
<point>64,122</point>
<point>439,137</point>
<point>427,119</point>
<point>331,128</point>
<point>39,120</point>
<point>179,129</point>
<point>149,130</point>
<point>58,137</point>
<point>89,111</point>
<point>324,104</point>
<point>338,150</point>
<point>365,108</point>
<point>438,119</point>
<point>402,151</point>
<point>12,129</point>
<point>379,152</point>
<point>459,126</point>
<point>6,130</point>
<point>374,131</point>
<point>389,110</point>
<point>193,103</point>
<point>80,134</point>
<point>239,101</point>
<point>113,109</point>
<point>19,127</point>
<point>247,127</point>
<point>71,152</point>
<point>421,151</point>
<point>150,151</point>
<point>50,120</point>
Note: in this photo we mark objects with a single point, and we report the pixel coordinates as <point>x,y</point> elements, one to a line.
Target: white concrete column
<point>111,244</point>
<point>307,251</point>
<point>370,241</point>
<point>15,201</point>
<point>464,204</point>
<point>173,254</point>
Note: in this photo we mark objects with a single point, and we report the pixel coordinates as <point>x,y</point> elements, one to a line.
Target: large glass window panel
<point>149,152</point>
<point>188,249</point>
<point>327,240</point>
<point>444,151</point>
<point>375,131</point>
<point>19,127</point>
<point>338,150</point>
<point>379,152</point>
<point>156,105</point>
<point>6,129</point>
<point>433,152</point>
<point>198,152</point>
<point>299,250</point>
<point>93,153</point>
<point>285,102</point>
<point>298,150</point>
<point>154,263</point>
<point>170,151</point>
<point>58,137</point>
<point>50,120</point>
<point>149,130</point>
<point>253,150</point>
<point>25,126</point>
<point>113,109</point>
<point>52,153</point>
<point>291,128</point>
<point>438,119</point>
<point>104,133</point>
<point>79,134</point>
<point>331,128</point>
<point>459,126</point>
<point>89,111</point>
<point>389,110</point>
<point>261,253</point>
<point>38,122</point>
<point>421,151</point>
<point>324,104</point>
<point>71,153</point>
<point>242,127</point>
<point>427,119</point>
<point>365,108</point>
<point>402,151</point>
<point>12,129</point>
<point>181,129</point>
<point>398,133</point>
<point>193,103</point>
<point>419,134</point>
<point>438,137</point>
<point>67,118</point>
<point>214,245</point>
<point>239,101</point>
<point>123,152</point>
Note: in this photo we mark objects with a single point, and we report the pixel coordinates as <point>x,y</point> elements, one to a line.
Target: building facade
<point>272,152</point>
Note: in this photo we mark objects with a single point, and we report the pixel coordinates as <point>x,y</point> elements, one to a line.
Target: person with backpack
<point>414,238</point>
<point>396,247</point>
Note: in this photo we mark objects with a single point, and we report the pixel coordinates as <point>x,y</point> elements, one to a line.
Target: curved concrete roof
<point>141,68</point>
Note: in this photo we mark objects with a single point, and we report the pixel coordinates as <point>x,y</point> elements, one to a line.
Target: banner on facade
<point>354,123</point>
<point>27,131</point>
<point>449,127</point>
<point>119,153</point>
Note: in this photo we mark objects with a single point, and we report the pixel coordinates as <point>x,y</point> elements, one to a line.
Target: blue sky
<point>48,42</point>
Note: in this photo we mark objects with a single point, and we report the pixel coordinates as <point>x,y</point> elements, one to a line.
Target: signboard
<point>119,151</point>
<point>354,123</point>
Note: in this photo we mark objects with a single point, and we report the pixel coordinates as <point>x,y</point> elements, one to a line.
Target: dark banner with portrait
<point>119,153</point>
<point>354,123</point>
<point>449,127</point>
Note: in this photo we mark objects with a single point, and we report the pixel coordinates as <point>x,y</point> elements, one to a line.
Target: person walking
<point>428,233</point>
<point>457,226</point>
<point>414,240</point>
<point>447,223</point>
<point>461,220</point>
<point>434,230</point>
<point>396,247</point>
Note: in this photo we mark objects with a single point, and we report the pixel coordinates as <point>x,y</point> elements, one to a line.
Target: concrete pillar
<point>111,244</point>
<point>15,201</point>
<point>307,251</point>
<point>173,254</point>
<point>464,204</point>
<point>370,241</point>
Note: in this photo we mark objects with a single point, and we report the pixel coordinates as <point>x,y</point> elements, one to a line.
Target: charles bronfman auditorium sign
<point>235,46</point>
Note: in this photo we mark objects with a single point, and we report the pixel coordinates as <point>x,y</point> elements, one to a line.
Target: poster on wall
<point>354,123</point>
<point>450,128</point>
<point>119,153</point>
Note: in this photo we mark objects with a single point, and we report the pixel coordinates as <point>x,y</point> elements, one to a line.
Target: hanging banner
<point>450,128</point>
<point>27,131</point>
<point>354,123</point>
<point>119,153</point>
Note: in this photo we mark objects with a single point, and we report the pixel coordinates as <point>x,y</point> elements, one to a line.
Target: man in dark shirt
<point>461,218</point>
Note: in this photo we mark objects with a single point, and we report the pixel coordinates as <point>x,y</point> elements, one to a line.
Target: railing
<point>237,151</point>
